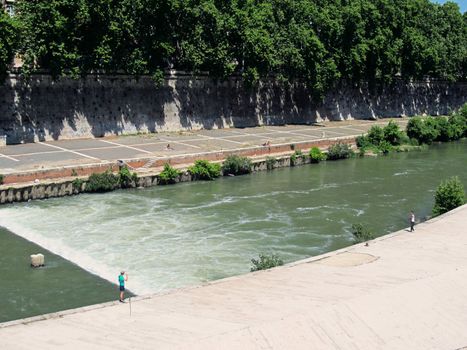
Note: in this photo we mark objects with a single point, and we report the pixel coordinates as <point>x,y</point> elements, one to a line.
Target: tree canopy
<point>9,37</point>
<point>314,41</point>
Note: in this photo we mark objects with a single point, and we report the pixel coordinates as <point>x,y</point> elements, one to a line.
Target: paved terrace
<point>405,291</point>
<point>150,150</point>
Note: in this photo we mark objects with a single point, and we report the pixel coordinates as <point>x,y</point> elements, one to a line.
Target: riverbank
<point>372,304</point>
<point>46,170</point>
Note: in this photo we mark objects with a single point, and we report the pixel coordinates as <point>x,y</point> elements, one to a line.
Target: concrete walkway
<point>85,152</point>
<point>405,291</point>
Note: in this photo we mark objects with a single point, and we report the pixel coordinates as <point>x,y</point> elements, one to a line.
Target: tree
<point>449,195</point>
<point>9,39</point>
<point>315,43</point>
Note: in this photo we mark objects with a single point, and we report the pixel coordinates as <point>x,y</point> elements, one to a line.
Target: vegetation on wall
<point>316,155</point>
<point>449,195</point>
<point>361,233</point>
<point>236,165</point>
<point>265,262</point>
<point>316,42</point>
<point>102,182</point>
<point>339,151</point>
<point>297,157</point>
<point>169,175</point>
<point>204,170</point>
<point>126,178</point>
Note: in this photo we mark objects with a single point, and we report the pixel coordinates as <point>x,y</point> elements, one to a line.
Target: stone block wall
<point>42,109</point>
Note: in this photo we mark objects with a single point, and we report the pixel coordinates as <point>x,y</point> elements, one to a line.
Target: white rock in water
<point>37,260</point>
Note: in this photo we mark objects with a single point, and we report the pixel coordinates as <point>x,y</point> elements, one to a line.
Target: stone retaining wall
<point>42,109</point>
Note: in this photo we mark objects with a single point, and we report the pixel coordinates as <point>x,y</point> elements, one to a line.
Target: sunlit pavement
<point>403,291</point>
<point>44,155</point>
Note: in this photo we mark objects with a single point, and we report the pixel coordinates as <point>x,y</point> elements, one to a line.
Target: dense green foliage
<point>427,130</point>
<point>449,195</point>
<point>339,151</point>
<point>296,157</point>
<point>315,41</point>
<point>265,262</point>
<point>362,233</point>
<point>316,155</point>
<point>169,175</point>
<point>126,178</point>
<point>270,162</point>
<point>2,177</point>
<point>77,184</point>
<point>236,165</point>
<point>382,140</point>
<point>102,182</point>
<point>204,170</point>
<point>9,41</point>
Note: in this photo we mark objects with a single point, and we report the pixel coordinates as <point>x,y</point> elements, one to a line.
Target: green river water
<point>174,236</point>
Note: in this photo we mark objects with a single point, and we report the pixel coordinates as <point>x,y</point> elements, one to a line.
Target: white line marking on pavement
<point>181,143</point>
<point>11,158</point>
<point>222,139</point>
<point>352,129</point>
<point>69,150</point>
<point>299,134</point>
<point>335,132</point>
<point>126,146</point>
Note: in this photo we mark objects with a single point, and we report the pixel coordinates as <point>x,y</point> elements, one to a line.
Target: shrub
<point>2,178</point>
<point>449,195</point>
<point>102,182</point>
<point>265,262</point>
<point>270,162</point>
<point>463,115</point>
<point>375,135</point>
<point>339,151</point>
<point>77,184</point>
<point>236,165</point>
<point>457,127</point>
<point>298,154</point>
<point>414,128</point>
<point>385,147</point>
<point>204,170</point>
<point>169,175</point>
<point>316,155</point>
<point>393,134</point>
<point>362,141</point>
<point>361,233</point>
<point>126,178</point>
<point>74,173</point>
<point>424,131</point>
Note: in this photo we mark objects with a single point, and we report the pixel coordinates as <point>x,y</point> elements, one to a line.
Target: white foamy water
<point>174,236</point>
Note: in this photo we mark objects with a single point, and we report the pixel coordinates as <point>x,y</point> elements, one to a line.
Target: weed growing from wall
<point>265,262</point>
<point>169,175</point>
<point>204,170</point>
<point>236,165</point>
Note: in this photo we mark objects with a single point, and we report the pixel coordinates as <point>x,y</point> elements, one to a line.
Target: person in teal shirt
<point>121,281</point>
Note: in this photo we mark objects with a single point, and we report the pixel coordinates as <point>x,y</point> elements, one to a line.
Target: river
<point>174,236</point>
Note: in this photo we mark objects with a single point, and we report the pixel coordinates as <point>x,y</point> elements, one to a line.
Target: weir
<point>175,236</point>
<point>411,294</point>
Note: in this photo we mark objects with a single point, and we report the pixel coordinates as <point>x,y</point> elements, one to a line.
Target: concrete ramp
<point>404,291</point>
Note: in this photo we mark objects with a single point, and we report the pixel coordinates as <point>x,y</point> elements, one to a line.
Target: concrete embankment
<point>403,291</point>
<point>58,182</point>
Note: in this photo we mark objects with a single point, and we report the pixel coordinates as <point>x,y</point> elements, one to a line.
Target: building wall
<point>43,109</point>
